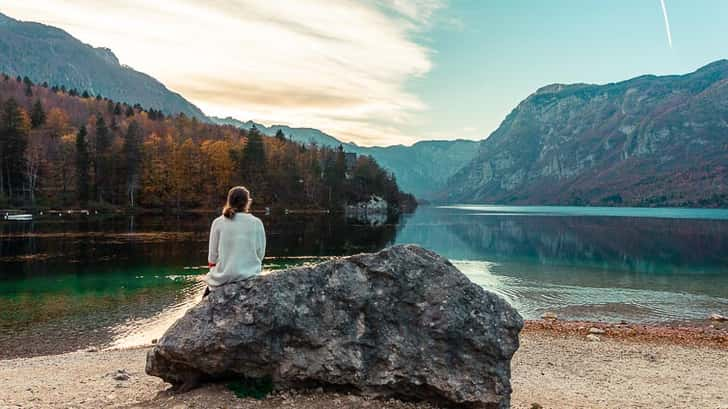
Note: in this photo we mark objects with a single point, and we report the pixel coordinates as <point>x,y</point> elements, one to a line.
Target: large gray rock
<point>403,322</point>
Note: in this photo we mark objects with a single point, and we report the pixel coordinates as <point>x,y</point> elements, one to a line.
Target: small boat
<point>21,216</point>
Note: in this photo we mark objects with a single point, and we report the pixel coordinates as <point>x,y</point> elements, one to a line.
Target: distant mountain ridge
<point>647,141</point>
<point>421,169</point>
<point>300,135</point>
<point>49,54</point>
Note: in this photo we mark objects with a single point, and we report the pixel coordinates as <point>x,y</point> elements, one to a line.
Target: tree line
<point>61,148</point>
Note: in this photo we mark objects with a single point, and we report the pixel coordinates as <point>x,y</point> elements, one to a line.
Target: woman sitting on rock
<point>237,242</point>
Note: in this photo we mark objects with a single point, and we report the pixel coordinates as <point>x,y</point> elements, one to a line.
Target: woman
<point>237,242</point>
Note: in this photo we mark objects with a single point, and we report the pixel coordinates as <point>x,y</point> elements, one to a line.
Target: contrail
<point>667,22</point>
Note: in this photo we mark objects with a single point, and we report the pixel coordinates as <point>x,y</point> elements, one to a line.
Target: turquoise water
<point>69,283</point>
<point>644,212</point>
<point>611,264</point>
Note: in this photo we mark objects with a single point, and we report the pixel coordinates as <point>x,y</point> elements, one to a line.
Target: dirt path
<point>554,371</point>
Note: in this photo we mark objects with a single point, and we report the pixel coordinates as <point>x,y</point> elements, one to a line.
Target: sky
<point>384,72</point>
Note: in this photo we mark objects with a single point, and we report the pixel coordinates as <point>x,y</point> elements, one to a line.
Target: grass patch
<point>257,388</point>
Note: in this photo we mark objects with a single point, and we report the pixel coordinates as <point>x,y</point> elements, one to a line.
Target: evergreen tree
<point>14,131</point>
<point>28,86</point>
<point>335,176</point>
<point>129,111</point>
<point>103,163</point>
<point>254,154</point>
<point>85,94</point>
<point>37,114</point>
<point>117,109</point>
<point>280,135</point>
<point>132,157</point>
<point>253,164</point>
<point>82,166</point>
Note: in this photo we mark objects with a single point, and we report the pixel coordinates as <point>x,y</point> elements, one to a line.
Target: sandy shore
<point>556,367</point>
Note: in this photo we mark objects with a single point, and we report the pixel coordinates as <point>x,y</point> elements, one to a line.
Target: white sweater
<point>237,247</point>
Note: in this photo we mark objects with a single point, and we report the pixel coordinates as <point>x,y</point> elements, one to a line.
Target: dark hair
<point>238,200</point>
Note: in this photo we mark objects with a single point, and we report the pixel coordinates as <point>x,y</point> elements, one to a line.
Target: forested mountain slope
<point>58,149</point>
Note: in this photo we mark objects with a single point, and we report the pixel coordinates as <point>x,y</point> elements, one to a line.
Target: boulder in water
<point>403,322</point>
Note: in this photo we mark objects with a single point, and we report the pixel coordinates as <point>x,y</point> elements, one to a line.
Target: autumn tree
<point>185,174</point>
<point>132,158</point>
<point>218,169</point>
<point>156,179</point>
<point>66,165</point>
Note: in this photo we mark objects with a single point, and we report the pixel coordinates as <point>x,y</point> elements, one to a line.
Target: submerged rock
<point>550,316</point>
<point>718,317</point>
<point>403,322</point>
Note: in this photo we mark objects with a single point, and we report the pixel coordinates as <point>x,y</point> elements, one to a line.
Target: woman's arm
<point>261,242</point>
<point>213,254</point>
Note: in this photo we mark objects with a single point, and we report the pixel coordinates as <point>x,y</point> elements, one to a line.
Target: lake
<point>69,282</point>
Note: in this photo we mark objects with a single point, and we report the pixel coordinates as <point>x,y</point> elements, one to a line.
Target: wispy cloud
<point>667,23</point>
<point>339,65</point>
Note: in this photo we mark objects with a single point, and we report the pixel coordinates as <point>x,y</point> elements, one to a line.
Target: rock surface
<point>718,317</point>
<point>399,323</point>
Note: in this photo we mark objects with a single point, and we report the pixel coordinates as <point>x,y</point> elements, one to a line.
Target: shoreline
<point>687,333</point>
<point>711,334</point>
<point>556,366</point>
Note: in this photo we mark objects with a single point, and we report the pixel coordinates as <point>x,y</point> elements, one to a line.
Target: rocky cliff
<point>647,141</point>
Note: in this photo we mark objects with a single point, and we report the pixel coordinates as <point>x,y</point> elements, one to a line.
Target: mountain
<point>648,141</point>
<point>48,54</point>
<point>300,135</point>
<point>424,168</point>
<point>421,169</point>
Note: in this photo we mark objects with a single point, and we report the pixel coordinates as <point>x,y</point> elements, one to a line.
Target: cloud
<point>300,63</point>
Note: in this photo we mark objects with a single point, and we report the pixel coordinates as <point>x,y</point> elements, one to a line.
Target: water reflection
<point>67,283</point>
<point>596,267</point>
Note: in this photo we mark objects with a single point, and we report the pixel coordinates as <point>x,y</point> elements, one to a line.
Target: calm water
<point>69,283</point>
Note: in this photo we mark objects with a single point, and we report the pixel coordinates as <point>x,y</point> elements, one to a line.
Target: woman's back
<point>237,248</point>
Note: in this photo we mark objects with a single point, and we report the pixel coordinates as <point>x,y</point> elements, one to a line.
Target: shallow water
<point>119,281</point>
